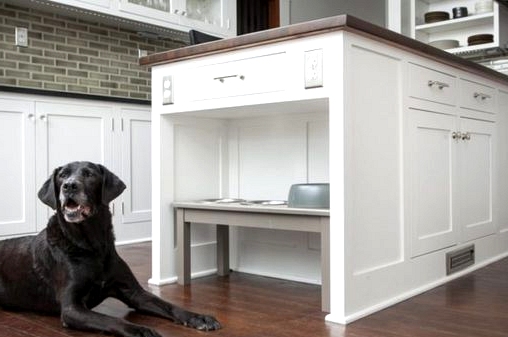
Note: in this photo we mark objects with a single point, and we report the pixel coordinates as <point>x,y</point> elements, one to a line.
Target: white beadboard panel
<point>318,151</point>
<point>203,259</point>
<point>276,253</point>
<point>203,233</point>
<point>199,151</point>
<point>374,153</point>
<point>198,157</point>
<point>272,156</point>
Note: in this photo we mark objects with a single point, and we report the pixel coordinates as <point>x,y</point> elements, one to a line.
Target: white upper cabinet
<point>213,16</point>
<point>217,17</point>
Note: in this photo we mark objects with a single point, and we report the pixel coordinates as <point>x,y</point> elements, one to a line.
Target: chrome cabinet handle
<point>456,135</point>
<point>31,117</point>
<point>43,118</point>
<point>223,78</point>
<point>466,136</point>
<point>439,84</point>
<point>481,95</point>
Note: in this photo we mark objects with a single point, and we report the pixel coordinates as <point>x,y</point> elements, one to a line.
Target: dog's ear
<point>48,191</point>
<point>112,186</point>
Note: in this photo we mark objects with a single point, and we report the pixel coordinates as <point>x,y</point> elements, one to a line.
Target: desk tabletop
<point>251,208</point>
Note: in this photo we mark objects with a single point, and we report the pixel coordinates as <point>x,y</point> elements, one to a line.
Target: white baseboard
<point>131,242</point>
<point>339,319</point>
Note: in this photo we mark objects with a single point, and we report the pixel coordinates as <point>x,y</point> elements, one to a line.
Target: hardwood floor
<point>251,306</point>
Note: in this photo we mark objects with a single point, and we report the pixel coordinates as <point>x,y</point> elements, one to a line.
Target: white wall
<point>294,11</point>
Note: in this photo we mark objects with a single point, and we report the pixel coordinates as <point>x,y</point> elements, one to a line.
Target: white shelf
<point>457,24</point>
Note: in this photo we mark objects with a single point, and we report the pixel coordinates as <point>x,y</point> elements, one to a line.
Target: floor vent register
<point>459,259</point>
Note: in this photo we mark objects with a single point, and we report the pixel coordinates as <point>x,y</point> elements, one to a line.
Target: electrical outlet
<point>21,37</point>
<point>167,90</point>
<point>313,64</point>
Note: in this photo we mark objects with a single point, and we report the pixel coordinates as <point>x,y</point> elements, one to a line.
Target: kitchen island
<point>413,141</point>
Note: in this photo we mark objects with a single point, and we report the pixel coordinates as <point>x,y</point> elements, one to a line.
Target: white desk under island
<point>413,141</point>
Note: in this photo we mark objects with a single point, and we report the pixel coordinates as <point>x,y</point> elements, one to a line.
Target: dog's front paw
<point>203,322</point>
<point>139,331</point>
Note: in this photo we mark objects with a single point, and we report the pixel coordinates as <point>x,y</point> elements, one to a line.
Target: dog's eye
<point>87,173</point>
<point>63,174</point>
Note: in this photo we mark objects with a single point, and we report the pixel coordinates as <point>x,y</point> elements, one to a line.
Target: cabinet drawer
<point>255,75</point>
<point>432,85</point>
<point>477,96</point>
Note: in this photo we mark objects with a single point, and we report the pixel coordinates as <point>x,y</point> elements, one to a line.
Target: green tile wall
<point>67,54</point>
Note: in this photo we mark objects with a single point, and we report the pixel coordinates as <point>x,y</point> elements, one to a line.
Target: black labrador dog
<point>72,265</point>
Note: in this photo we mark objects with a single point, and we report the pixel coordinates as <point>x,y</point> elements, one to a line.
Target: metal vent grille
<point>459,259</point>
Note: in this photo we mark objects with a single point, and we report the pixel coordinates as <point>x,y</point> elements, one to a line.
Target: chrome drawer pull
<point>439,84</point>
<point>481,95</point>
<point>466,136</point>
<point>223,78</point>
<point>456,135</point>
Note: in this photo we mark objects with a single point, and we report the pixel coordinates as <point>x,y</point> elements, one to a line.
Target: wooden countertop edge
<point>305,29</point>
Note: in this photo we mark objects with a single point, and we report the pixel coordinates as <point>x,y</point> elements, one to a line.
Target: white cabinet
<point>475,178</point>
<point>494,22</point>
<point>213,16</point>
<point>17,171</point>
<point>45,134</point>
<point>432,160</point>
<point>451,165</point>
<point>216,17</point>
<point>136,201</point>
<point>67,132</point>
<point>451,132</point>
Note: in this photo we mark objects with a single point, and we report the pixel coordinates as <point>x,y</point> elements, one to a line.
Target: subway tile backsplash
<point>67,54</point>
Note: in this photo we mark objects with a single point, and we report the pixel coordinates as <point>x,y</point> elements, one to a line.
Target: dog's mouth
<point>74,211</point>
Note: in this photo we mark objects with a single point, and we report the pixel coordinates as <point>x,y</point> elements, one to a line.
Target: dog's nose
<point>70,185</point>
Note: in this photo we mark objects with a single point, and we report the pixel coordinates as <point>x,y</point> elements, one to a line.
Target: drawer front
<point>249,76</point>
<point>477,96</point>
<point>432,85</point>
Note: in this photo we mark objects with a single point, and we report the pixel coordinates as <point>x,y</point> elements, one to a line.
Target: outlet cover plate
<point>167,90</point>
<point>313,65</point>
<point>21,34</point>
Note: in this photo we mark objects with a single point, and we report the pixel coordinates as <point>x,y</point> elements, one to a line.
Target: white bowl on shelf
<point>444,44</point>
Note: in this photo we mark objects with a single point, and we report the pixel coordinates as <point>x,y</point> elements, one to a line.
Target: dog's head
<point>79,188</point>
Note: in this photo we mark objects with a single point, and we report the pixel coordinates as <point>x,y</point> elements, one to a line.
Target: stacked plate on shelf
<point>431,17</point>
<point>480,39</point>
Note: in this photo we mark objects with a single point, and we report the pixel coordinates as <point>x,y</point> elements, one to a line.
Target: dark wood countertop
<point>315,27</point>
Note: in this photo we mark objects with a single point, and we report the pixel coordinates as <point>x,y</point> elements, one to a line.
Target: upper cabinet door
<point>17,171</point>
<point>69,132</point>
<point>211,16</point>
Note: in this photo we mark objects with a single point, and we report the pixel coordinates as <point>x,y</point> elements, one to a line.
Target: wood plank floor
<point>251,306</point>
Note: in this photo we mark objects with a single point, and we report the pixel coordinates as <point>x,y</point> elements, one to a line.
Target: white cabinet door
<point>17,169</point>
<point>136,200</point>
<point>69,132</point>
<point>475,175</point>
<point>432,160</point>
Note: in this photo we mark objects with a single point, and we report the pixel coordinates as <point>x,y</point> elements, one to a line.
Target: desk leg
<point>325,265</point>
<point>222,250</point>
<point>183,249</point>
